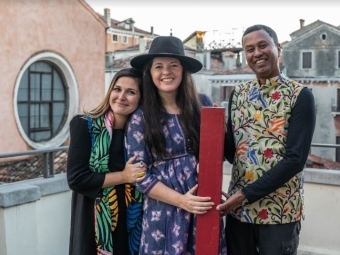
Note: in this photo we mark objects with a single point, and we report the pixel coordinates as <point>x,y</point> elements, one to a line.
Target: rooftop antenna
<point>170,31</point>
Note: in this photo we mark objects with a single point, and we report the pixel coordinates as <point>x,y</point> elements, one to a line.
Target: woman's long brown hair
<point>155,114</point>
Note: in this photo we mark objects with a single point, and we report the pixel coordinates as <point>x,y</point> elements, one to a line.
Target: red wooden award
<point>210,178</point>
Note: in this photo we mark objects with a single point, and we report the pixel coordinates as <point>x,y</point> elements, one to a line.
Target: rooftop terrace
<point>35,214</point>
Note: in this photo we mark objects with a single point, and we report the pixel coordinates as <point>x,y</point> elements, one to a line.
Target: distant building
<point>195,41</point>
<point>312,57</point>
<point>122,35</point>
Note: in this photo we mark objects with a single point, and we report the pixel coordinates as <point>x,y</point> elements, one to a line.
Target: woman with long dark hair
<point>164,134</point>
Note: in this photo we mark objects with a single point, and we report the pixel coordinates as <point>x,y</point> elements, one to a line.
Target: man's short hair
<point>269,30</point>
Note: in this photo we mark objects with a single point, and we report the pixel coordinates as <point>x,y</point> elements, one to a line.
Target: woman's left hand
<point>195,204</point>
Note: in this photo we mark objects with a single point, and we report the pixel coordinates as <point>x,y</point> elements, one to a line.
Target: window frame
<point>39,102</point>
<point>337,100</point>
<point>115,41</point>
<point>123,41</point>
<point>72,90</point>
<point>311,60</point>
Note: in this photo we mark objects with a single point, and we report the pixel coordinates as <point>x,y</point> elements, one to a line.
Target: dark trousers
<point>256,239</point>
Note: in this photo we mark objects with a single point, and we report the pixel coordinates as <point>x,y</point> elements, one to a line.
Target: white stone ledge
<point>322,176</point>
<point>11,195</point>
<point>16,193</point>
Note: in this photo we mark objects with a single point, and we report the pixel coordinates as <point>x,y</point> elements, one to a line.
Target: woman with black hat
<point>164,134</point>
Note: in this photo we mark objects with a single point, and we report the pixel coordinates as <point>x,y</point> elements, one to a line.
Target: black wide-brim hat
<point>167,46</point>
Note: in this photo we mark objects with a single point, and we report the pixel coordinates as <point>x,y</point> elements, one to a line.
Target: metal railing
<point>324,145</point>
<point>48,156</point>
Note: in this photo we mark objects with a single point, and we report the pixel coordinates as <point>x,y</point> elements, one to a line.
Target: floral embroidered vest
<point>260,118</point>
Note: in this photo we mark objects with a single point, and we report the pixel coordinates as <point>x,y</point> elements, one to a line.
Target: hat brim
<point>191,64</point>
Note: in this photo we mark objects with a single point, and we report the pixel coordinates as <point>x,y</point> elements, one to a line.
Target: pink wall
<point>69,28</point>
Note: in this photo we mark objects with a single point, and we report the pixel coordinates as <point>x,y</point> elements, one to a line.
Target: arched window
<point>45,100</point>
<point>42,101</point>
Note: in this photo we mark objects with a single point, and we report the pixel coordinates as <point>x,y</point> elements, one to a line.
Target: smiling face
<point>124,97</point>
<point>166,74</point>
<point>262,54</point>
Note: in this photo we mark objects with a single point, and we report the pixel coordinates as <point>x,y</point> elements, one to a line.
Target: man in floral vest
<point>271,121</point>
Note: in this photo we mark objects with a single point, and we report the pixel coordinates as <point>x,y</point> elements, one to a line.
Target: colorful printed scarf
<point>106,204</point>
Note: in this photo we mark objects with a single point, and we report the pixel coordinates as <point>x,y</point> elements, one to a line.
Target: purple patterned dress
<point>166,228</point>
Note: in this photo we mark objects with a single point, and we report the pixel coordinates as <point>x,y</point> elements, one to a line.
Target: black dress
<point>86,185</point>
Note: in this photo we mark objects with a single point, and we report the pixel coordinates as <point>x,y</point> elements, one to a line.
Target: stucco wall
<point>325,130</point>
<point>67,28</point>
<point>324,54</point>
<point>326,126</point>
<point>113,46</point>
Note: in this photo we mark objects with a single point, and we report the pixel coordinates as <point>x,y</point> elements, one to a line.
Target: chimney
<point>302,23</point>
<point>132,26</point>
<point>107,16</point>
<point>151,31</point>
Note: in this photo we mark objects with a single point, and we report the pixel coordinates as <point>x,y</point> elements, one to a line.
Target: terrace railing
<point>48,156</point>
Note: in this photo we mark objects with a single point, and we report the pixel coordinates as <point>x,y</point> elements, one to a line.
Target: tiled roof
<point>121,63</point>
<point>239,70</point>
<point>321,163</point>
<point>115,24</point>
<point>30,168</point>
<point>309,27</point>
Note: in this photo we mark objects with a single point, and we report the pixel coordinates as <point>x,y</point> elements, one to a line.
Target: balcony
<point>35,214</point>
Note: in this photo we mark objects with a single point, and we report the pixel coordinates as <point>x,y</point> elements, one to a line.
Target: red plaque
<point>210,178</point>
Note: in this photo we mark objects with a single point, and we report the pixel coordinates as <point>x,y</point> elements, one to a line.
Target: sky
<point>220,18</point>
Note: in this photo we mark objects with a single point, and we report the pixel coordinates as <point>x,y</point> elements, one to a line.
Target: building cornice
<point>300,80</point>
<point>316,80</point>
<point>111,30</point>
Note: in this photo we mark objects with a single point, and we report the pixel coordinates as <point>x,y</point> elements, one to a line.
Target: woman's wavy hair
<point>155,115</point>
<point>104,105</point>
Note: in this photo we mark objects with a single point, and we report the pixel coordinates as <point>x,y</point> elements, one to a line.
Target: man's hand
<point>231,203</point>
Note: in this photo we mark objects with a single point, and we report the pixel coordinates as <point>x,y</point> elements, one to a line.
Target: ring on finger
<point>141,164</point>
<point>140,174</point>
